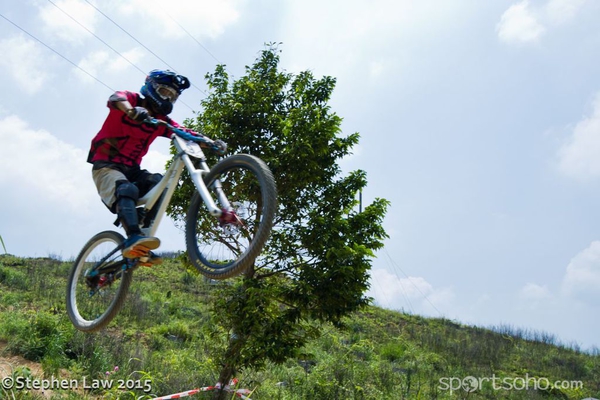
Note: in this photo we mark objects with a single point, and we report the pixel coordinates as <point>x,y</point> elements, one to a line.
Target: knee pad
<point>128,190</point>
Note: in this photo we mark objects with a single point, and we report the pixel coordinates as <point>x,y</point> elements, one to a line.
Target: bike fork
<point>196,175</point>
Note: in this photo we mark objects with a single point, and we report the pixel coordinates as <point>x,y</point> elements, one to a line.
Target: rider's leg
<point>136,244</point>
<point>145,182</point>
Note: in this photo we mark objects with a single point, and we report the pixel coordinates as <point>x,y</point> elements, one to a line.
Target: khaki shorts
<point>106,183</point>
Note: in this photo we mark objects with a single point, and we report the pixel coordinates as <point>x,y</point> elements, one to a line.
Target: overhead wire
<point>193,38</point>
<point>56,52</point>
<point>381,287</point>
<point>116,51</point>
<point>197,41</point>
<point>381,290</point>
<point>139,42</point>
<point>129,34</point>
<point>108,45</point>
<point>396,266</point>
<point>403,290</point>
<point>96,36</point>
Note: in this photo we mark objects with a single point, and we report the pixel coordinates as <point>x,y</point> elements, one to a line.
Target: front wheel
<point>98,282</point>
<point>221,247</point>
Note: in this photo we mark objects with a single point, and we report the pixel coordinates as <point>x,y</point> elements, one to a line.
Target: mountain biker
<point>118,148</point>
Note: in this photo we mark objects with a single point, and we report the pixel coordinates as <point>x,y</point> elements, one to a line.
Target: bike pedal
<point>137,252</point>
<point>150,260</point>
<point>145,264</point>
<point>144,261</point>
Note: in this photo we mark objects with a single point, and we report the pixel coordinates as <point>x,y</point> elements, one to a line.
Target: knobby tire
<point>249,184</point>
<point>102,310</point>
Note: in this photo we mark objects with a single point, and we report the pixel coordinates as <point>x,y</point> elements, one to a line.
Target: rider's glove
<point>220,146</point>
<point>138,114</point>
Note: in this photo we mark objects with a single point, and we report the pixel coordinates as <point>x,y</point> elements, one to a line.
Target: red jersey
<point>122,140</point>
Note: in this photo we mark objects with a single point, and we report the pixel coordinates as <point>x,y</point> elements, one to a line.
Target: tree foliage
<point>316,263</point>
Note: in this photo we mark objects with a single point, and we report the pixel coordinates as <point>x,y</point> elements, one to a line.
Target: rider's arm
<point>120,101</point>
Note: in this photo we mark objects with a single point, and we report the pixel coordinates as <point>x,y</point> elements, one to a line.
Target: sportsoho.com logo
<point>472,384</point>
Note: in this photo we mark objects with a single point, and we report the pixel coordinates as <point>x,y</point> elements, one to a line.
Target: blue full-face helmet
<point>162,88</point>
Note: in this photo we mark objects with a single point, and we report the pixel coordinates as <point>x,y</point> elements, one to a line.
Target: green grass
<point>164,336</point>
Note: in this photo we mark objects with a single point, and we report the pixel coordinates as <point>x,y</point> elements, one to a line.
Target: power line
<point>57,53</point>
<point>140,43</point>
<point>109,46</point>
<point>395,265</point>
<point>194,39</point>
<point>97,37</point>
<point>128,34</point>
<point>71,62</point>
<point>192,36</point>
<point>403,291</point>
<point>106,44</point>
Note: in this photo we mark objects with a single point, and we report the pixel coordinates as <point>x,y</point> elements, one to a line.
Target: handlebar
<point>218,146</point>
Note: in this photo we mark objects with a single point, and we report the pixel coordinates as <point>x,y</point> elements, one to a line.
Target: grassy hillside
<point>163,343</point>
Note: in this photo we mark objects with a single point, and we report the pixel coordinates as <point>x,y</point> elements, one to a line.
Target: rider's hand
<point>138,114</point>
<point>219,146</point>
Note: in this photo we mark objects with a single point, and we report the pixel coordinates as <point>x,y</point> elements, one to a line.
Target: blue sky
<point>479,121</point>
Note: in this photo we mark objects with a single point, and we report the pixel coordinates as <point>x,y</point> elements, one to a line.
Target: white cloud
<point>202,18</point>
<point>58,21</point>
<point>24,61</point>
<point>363,38</point>
<point>49,200</point>
<point>533,296</point>
<point>155,161</point>
<point>412,294</point>
<point>48,194</point>
<point>519,24</point>
<point>43,169</point>
<point>101,62</point>
<point>92,63</point>
<point>560,11</point>
<point>523,23</point>
<point>582,278</point>
<point>121,64</point>
<point>534,292</point>
<point>578,158</point>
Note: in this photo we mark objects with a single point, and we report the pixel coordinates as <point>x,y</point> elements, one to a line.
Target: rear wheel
<point>226,246</point>
<point>98,282</point>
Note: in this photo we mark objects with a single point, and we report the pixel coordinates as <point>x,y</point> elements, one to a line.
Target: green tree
<point>317,260</point>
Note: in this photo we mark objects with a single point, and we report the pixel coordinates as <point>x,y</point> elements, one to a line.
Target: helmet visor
<point>166,92</point>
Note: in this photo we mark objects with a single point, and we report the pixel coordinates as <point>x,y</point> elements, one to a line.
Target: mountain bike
<point>227,225</point>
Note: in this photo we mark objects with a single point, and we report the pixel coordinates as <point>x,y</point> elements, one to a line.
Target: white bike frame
<point>167,185</point>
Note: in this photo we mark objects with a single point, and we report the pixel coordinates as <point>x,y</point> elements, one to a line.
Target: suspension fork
<point>196,174</point>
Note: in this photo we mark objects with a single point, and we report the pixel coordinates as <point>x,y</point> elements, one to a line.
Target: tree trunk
<point>232,354</point>
<point>229,366</point>
<point>224,378</point>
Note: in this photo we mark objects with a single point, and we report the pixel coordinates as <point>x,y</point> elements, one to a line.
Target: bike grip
<point>219,147</point>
